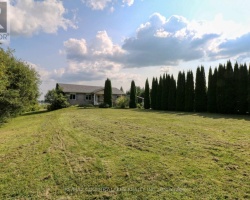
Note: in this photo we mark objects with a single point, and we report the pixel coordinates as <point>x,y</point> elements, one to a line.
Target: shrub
<point>56,99</point>
<point>122,102</point>
<point>139,105</point>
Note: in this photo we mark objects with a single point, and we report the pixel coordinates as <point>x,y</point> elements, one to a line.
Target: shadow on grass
<point>204,115</point>
<point>35,112</point>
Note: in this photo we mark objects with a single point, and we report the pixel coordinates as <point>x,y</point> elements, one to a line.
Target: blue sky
<point>87,41</point>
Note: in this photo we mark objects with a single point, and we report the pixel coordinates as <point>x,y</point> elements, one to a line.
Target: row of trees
<point>19,86</point>
<point>228,91</point>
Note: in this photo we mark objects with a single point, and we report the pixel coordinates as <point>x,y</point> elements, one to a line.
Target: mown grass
<point>79,153</point>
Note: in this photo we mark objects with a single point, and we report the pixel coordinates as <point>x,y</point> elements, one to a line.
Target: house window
<point>72,97</point>
<point>88,97</point>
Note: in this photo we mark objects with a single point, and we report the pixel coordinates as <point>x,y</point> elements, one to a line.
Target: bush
<point>56,99</point>
<point>122,102</point>
<point>103,105</point>
<point>139,105</point>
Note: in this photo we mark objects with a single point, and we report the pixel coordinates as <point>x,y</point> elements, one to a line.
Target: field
<point>81,153</point>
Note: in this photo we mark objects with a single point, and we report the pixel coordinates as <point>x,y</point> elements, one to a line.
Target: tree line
<point>227,92</point>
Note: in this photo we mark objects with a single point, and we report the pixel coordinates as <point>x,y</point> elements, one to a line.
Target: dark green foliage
<point>236,88</point>
<point>189,92</point>
<point>154,93</point>
<point>159,92</point>
<point>18,86</point>
<point>172,94</point>
<point>211,93</point>
<point>200,90</point>
<point>167,85</point>
<point>220,89</point>
<point>147,96</point>
<point>56,98</point>
<point>121,89</point>
<point>180,92</point>
<point>165,91</point>
<point>132,101</point>
<point>229,89</point>
<point>243,89</point>
<point>249,90</point>
<point>108,93</point>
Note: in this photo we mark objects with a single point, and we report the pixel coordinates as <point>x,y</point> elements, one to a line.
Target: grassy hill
<point>78,153</point>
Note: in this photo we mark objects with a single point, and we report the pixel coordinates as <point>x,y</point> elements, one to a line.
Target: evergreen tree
<point>180,92</point>
<point>243,89</point>
<point>147,96</point>
<point>152,94</point>
<point>108,93</point>
<point>236,88</point>
<point>121,89</point>
<point>159,92</point>
<point>167,86</point>
<point>211,93</point>
<point>132,101</point>
<point>220,89</point>
<point>164,93</point>
<point>249,90</point>
<point>172,94</point>
<point>189,92</point>
<point>229,89</point>
<point>200,90</point>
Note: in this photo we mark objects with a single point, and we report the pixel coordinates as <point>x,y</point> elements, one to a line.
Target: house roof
<point>86,89</point>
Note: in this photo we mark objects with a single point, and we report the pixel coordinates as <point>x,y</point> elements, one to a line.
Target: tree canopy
<point>19,86</point>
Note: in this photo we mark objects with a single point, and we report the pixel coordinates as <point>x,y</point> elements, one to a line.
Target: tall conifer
<point>172,94</point>
<point>147,96</point>
<point>132,101</point>
<point>108,93</point>
<point>200,90</point>
<point>189,92</point>
<point>243,89</point>
<point>180,92</point>
<point>229,89</point>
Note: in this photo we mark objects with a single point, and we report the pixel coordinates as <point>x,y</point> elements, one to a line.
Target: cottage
<point>85,94</point>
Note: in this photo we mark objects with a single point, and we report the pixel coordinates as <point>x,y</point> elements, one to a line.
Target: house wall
<point>80,99</point>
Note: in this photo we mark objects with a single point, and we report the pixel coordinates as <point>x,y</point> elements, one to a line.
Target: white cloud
<point>28,17</point>
<point>128,2</point>
<point>102,4</point>
<point>97,4</point>
<point>100,48</point>
<point>161,41</point>
<point>95,60</point>
<point>75,49</point>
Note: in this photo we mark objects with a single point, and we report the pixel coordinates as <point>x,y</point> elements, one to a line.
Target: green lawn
<point>79,153</point>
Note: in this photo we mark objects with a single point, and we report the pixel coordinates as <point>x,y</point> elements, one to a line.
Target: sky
<point>88,41</point>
